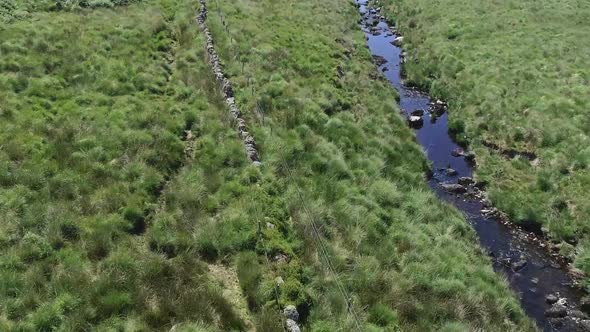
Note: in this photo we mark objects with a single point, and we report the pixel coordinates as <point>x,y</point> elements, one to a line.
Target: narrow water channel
<point>531,271</point>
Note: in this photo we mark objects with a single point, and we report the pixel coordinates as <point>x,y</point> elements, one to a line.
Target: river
<point>532,272</point>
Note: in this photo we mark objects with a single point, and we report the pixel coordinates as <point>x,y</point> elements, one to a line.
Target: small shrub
<point>381,315</point>
<point>269,320</point>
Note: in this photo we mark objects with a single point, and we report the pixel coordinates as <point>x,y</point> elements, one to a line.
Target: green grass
<point>12,10</point>
<point>108,224</point>
<point>336,154</point>
<point>94,108</point>
<point>516,74</point>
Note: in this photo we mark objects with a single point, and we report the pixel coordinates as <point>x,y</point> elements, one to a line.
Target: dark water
<point>541,275</point>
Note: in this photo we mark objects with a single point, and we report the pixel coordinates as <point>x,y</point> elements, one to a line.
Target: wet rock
<point>384,69</point>
<point>557,323</point>
<point>415,121</point>
<point>519,265</point>
<point>379,60</point>
<point>280,258</point>
<point>584,325</point>
<point>551,298</point>
<point>292,326</point>
<point>585,304</point>
<point>438,107</point>
<point>470,157</point>
<point>465,181</point>
<point>340,72</point>
<point>398,41</point>
<point>290,312</point>
<point>454,188</point>
<point>535,281</point>
<point>505,261</point>
<point>458,152</point>
<point>417,113</point>
<point>578,314</point>
<point>481,185</point>
<point>451,172</point>
<point>556,311</point>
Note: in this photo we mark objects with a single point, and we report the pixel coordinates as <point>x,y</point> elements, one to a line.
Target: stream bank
<point>546,290</point>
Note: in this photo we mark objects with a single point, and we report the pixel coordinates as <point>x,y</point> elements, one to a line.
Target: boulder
<point>281,258</point>
<point>578,314</point>
<point>438,107</point>
<point>292,326</point>
<point>417,113</point>
<point>458,152</point>
<point>290,312</point>
<point>518,265</point>
<point>398,41</point>
<point>454,188</point>
<point>585,304</point>
<point>584,325</point>
<point>465,181</point>
<point>470,157</point>
<point>556,311</point>
<point>551,298</point>
<point>504,261</point>
<point>415,121</point>
<point>451,172</point>
<point>379,60</point>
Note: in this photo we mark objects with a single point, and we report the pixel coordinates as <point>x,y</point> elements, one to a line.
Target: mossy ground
<point>516,75</point>
<point>106,224</point>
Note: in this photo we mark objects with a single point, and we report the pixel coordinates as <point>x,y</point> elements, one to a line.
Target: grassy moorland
<point>516,74</point>
<point>94,105</point>
<point>127,203</point>
<point>340,161</point>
